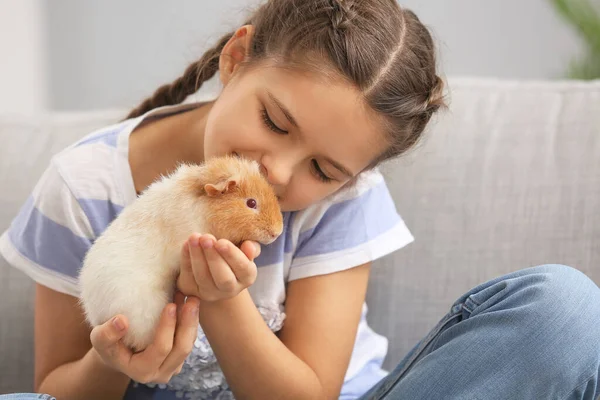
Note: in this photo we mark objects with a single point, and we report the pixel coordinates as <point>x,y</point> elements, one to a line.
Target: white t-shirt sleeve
<point>50,235</point>
<point>358,227</point>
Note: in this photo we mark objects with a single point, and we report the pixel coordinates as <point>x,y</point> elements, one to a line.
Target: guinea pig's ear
<point>218,189</point>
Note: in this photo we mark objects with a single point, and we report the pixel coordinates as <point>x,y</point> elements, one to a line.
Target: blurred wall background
<point>83,55</point>
<point>23,57</point>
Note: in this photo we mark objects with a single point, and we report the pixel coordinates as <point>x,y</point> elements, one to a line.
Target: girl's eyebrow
<point>340,167</point>
<point>284,110</point>
<point>292,121</point>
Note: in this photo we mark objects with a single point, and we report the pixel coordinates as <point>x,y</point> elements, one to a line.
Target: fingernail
<point>195,310</point>
<point>118,324</point>
<point>221,246</point>
<point>172,311</point>
<point>194,241</point>
<point>207,244</point>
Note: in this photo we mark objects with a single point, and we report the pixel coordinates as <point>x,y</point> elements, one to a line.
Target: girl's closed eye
<point>319,172</point>
<point>270,124</point>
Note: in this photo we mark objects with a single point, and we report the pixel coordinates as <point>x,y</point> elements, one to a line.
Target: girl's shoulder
<point>82,189</point>
<point>364,182</point>
<point>96,166</point>
<point>369,190</point>
<point>356,225</point>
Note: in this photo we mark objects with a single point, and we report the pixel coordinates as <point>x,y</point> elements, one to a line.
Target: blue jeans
<point>531,334</point>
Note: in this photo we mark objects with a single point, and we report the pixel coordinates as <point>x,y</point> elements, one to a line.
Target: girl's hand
<point>174,340</point>
<point>215,270</point>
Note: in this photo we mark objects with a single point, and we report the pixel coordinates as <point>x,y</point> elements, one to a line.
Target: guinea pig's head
<point>241,203</point>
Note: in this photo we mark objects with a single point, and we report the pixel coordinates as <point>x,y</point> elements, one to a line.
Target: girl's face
<point>311,137</point>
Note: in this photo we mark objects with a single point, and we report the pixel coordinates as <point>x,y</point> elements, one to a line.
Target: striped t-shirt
<point>89,183</point>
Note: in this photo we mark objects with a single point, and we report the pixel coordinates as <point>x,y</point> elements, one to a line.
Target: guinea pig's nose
<point>277,232</point>
<point>272,234</point>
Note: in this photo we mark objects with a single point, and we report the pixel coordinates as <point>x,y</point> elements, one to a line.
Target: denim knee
<point>560,289</point>
<point>563,288</point>
<point>550,289</point>
<point>532,333</point>
<point>548,321</point>
<point>566,302</point>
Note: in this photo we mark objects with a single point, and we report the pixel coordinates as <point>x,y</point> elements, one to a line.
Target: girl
<point>319,92</point>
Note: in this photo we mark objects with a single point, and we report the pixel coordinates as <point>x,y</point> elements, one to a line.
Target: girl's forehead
<point>330,114</point>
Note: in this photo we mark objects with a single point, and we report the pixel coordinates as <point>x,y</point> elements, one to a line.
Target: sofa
<point>507,178</point>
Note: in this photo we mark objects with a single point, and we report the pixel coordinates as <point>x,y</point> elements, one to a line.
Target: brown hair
<point>382,49</point>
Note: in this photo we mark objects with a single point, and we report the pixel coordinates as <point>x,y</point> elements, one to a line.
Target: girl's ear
<point>234,52</point>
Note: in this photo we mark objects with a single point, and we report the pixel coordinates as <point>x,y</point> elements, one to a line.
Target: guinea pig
<point>132,267</point>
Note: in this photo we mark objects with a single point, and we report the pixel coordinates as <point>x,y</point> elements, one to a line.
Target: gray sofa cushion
<point>508,178</point>
<point>16,330</point>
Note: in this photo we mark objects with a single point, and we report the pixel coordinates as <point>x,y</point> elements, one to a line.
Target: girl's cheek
<point>300,199</point>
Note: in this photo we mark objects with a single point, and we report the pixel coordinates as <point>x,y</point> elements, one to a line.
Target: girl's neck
<point>156,148</point>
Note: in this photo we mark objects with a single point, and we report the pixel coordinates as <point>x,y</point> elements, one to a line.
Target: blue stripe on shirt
<point>46,242</point>
<point>108,137</point>
<point>374,210</point>
<point>100,213</point>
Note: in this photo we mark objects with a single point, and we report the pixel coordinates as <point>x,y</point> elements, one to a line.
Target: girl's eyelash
<point>270,124</point>
<point>320,174</point>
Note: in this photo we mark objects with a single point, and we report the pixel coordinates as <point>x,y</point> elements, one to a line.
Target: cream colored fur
<point>132,267</point>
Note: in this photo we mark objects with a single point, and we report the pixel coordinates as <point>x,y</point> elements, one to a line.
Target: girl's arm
<point>310,357</point>
<point>66,366</point>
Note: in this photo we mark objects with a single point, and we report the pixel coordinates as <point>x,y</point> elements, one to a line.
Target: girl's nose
<point>263,171</point>
<point>277,169</point>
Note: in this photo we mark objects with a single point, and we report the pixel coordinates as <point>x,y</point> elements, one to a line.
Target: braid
<point>191,80</point>
<point>435,101</point>
<point>341,14</point>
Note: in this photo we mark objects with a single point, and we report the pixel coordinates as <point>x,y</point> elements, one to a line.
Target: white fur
<point>132,267</point>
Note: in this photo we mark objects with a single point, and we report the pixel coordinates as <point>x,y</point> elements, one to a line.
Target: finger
<point>242,267</point>
<point>106,338</point>
<point>185,336</point>
<point>200,268</point>
<point>178,370</point>
<point>221,272</point>
<point>179,300</point>
<point>251,249</point>
<point>154,355</point>
<point>186,282</point>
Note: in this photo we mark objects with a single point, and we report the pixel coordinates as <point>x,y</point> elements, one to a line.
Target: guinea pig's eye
<point>251,203</point>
